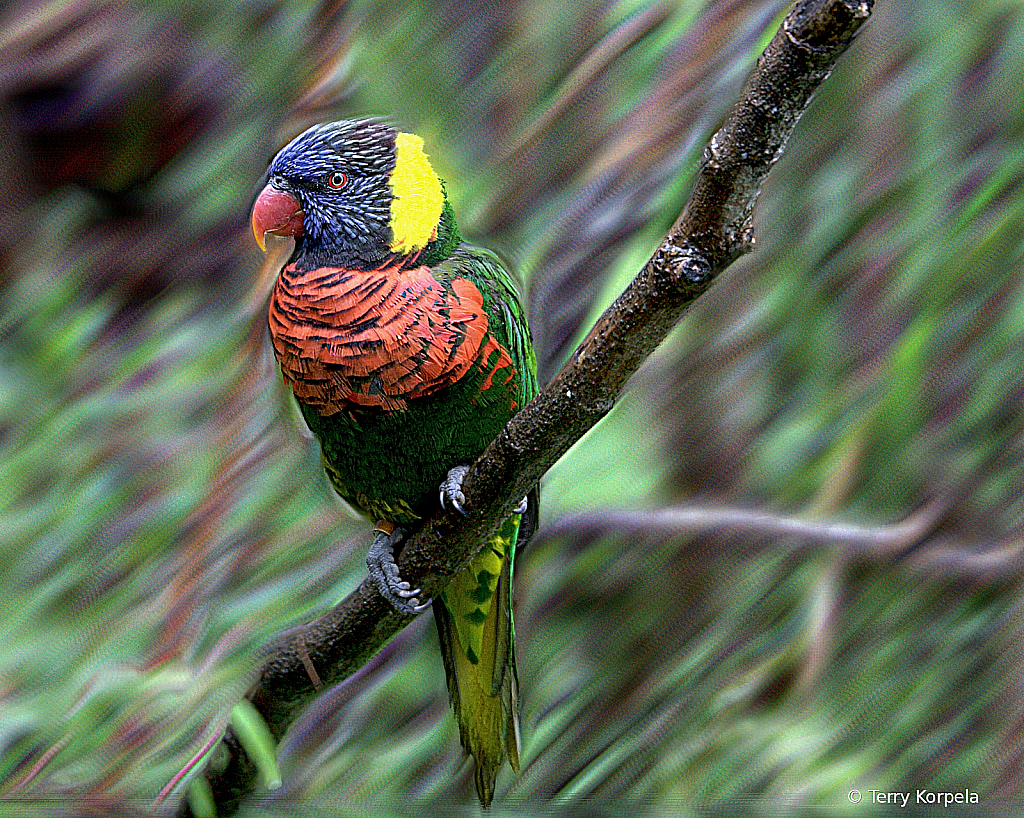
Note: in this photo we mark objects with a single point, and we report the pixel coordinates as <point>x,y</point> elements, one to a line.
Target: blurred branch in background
<point>163,517</point>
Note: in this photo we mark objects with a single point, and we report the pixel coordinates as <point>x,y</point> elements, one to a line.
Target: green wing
<point>504,309</point>
<point>474,613</point>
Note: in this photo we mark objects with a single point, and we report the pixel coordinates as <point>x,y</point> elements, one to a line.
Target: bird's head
<point>354,193</point>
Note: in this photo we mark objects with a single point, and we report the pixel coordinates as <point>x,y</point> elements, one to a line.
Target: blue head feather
<point>350,226</point>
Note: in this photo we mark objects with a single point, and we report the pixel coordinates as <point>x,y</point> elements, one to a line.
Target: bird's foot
<point>451,490</point>
<point>384,571</point>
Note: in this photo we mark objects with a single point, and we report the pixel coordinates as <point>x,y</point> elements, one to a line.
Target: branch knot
<point>685,265</point>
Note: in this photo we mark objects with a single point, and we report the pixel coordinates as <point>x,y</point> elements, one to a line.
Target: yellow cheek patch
<point>418,198</point>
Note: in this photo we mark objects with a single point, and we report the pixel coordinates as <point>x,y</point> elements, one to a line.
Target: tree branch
<point>756,528</point>
<point>981,562</point>
<point>713,230</point>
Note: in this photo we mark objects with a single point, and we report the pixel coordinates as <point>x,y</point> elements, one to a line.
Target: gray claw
<point>451,490</point>
<point>384,574</point>
<point>417,607</point>
<point>523,505</point>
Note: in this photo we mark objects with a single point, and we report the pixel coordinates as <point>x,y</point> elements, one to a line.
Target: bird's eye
<point>336,181</point>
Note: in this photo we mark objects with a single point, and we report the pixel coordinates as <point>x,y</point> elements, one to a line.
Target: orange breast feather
<point>375,338</point>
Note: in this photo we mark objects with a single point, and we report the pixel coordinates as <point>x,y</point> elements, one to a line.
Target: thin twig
<point>757,528</point>
<point>190,765</point>
<point>983,561</point>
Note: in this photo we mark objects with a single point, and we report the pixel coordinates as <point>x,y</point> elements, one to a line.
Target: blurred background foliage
<point>164,512</point>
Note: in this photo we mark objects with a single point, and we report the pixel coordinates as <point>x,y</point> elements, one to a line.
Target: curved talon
<point>421,607</point>
<point>451,490</point>
<point>523,505</point>
<point>384,572</point>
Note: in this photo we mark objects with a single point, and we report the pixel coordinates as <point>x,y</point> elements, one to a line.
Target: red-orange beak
<point>276,212</point>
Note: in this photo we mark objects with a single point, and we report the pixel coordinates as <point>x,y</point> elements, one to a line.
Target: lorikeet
<point>407,350</point>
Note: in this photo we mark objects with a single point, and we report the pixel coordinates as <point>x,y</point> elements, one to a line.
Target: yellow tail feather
<point>474,623</point>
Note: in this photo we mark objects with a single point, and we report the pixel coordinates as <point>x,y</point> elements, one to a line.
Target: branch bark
<point>712,231</point>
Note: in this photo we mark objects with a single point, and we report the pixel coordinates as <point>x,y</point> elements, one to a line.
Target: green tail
<point>474,622</point>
